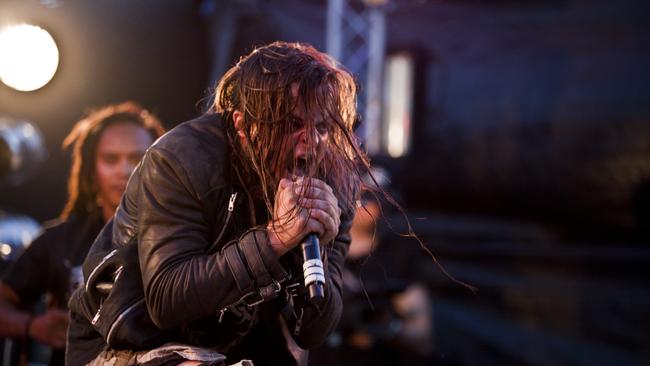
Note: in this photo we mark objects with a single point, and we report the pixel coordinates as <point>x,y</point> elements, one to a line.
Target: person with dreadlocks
<point>201,263</point>
<point>106,146</point>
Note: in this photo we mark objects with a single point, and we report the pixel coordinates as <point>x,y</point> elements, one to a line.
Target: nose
<point>126,168</point>
<point>315,136</point>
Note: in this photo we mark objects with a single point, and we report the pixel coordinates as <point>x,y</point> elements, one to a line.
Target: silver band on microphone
<point>313,271</point>
<point>312,267</point>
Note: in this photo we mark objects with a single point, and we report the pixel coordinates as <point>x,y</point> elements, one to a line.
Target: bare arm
<point>48,328</point>
<point>12,320</point>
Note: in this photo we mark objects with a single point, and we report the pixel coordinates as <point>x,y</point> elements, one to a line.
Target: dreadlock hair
<point>260,87</point>
<point>83,140</point>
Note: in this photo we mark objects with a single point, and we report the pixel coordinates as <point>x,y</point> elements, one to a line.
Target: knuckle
<point>316,227</point>
<point>323,214</point>
<point>300,221</point>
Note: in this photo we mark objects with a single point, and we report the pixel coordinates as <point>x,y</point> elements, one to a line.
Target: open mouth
<point>299,168</point>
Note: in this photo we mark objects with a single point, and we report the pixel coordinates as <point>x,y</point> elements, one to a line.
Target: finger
<point>313,192</point>
<point>328,223</point>
<point>315,226</point>
<point>284,183</point>
<point>330,205</point>
<point>331,223</point>
<point>286,198</point>
<point>314,182</point>
<point>326,206</point>
<point>282,188</point>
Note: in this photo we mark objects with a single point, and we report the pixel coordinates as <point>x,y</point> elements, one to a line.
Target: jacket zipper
<point>92,274</point>
<point>296,330</point>
<point>231,209</point>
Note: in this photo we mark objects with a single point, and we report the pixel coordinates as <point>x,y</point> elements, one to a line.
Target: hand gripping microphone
<point>312,268</point>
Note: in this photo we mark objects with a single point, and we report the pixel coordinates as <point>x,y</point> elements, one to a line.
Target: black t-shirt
<point>51,262</point>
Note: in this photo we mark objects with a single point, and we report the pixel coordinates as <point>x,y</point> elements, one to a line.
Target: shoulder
<point>55,229</point>
<point>71,226</point>
<point>197,151</point>
<point>54,233</point>
<point>208,130</point>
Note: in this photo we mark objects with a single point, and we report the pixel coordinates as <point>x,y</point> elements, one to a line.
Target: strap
<point>238,269</point>
<point>269,259</point>
<point>255,263</point>
<point>267,287</point>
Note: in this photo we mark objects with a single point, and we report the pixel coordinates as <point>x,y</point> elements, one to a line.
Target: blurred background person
<point>387,318</point>
<point>106,146</point>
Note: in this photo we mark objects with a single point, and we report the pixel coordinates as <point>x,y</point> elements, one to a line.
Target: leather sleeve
<point>181,281</point>
<point>318,322</point>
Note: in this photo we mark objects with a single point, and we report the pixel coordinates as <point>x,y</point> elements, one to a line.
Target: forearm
<point>13,321</point>
<point>204,284</point>
<point>313,323</point>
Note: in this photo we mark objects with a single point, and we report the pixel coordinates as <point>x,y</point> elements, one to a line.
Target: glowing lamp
<point>29,57</point>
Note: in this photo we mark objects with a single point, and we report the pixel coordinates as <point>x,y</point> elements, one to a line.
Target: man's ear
<point>238,119</point>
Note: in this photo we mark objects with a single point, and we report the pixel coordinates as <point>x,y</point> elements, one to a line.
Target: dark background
<point>530,156</point>
<point>151,52</point>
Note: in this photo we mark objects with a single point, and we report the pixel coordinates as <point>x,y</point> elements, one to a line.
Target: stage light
<point>398,95</point>
<point>22,151</point>
<point>29,57</point>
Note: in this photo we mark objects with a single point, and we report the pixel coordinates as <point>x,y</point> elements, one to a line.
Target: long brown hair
<point>84,138</point>
<point>259,86</point>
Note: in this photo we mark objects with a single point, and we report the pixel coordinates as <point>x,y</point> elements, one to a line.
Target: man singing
<point>201,263</point>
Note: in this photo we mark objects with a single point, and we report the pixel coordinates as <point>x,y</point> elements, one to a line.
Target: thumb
<point>284,183</point>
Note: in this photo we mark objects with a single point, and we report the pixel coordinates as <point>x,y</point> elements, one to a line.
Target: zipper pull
<point>231,203</point>
<point>296,330</point>
<point>96,317</point>
<point>222,313</point>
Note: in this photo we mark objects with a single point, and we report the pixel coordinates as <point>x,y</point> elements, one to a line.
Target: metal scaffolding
<point>356,36</point>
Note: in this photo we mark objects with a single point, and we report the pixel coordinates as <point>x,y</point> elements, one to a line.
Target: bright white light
<point>399,101</point>
<point>5,250</point>
<point>28,57</point>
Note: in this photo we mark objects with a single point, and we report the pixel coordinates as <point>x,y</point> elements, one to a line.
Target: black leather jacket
<point>201,258</point>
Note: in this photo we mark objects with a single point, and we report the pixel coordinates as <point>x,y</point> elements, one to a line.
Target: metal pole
<point>374,82</point>
<point>334,28</point>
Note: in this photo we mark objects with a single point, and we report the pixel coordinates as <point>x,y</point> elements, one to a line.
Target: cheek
<point>287,146</point>
<point>102,174</point>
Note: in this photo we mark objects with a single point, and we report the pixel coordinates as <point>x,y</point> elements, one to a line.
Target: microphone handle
<point>313,268</point>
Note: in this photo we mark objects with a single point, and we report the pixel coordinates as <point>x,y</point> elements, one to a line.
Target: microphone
<point>312,268</point>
